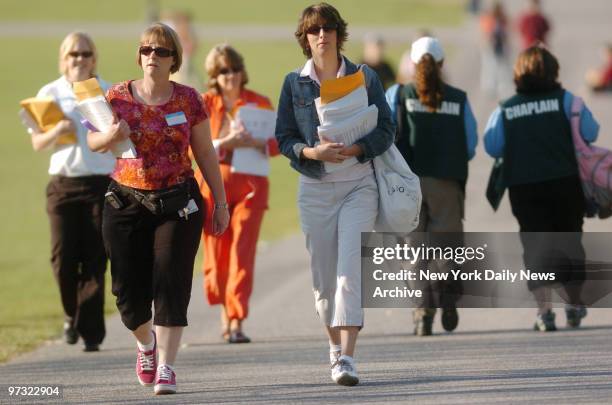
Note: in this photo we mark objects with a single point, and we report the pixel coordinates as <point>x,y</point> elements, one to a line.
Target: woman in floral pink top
<point>154,211</point>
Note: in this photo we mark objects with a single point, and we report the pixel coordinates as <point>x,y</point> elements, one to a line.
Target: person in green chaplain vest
<point>437,137</point>
<point>531,131</point>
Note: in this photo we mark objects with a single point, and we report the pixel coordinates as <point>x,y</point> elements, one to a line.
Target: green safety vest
<point>538,139</point>
<point>434,143</point>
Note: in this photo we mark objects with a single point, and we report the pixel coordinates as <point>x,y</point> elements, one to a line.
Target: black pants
<point>74,206</point>
<point>551,206</point>
<point>151,259</point>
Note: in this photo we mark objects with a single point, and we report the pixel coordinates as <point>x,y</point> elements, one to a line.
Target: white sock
<point>165,365</point>
<point>334,348</point>
<point>146,348</point>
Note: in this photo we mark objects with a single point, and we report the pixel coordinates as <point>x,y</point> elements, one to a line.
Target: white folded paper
<point>98,112</point>
<point>260,123</point>
<point>346,120</point>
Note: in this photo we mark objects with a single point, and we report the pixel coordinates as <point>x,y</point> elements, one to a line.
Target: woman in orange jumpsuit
<point>230,258</point>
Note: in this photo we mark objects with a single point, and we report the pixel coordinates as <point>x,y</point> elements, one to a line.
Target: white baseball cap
<point>426,45</point>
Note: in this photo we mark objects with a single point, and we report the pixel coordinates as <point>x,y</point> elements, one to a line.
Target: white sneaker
<point>343,371</point>
<point>334,356</point>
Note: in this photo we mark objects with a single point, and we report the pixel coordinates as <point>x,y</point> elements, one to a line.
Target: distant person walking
<point>153,216</point>
<point>531,131</point>
<point>533,25</point>
<point>336,207</point>
<point>437,137</point>
<point>374,57</point>
<point>601,79</point>
<point>75,196</point>
<point>229,259</point>
<point>495,71</point>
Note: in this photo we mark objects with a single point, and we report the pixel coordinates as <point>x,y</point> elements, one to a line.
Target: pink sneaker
<point>146,364</point>
<point>165,382</point>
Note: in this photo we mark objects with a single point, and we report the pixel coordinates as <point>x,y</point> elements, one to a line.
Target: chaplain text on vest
<point>447,107</point>
<point>531,108</point>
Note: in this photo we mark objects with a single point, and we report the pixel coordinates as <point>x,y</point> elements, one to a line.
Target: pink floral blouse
<point>160,135</point>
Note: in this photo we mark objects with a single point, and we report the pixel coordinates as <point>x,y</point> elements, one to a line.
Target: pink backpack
<point>595,166</point>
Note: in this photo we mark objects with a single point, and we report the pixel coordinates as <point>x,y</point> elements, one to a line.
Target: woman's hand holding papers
<point>119,131</point>
<point>326,151</point>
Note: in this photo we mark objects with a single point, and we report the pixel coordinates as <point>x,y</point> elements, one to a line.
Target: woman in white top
<point>75,196</point>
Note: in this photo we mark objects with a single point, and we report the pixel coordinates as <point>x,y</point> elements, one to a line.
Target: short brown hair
<point>166,36</point>
<point>536,70</point>
<point>213,64</point>
<point>320,14</point>
<point>66,46</point>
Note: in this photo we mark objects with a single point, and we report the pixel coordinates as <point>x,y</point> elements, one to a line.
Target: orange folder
<point>46,113</point>
<point>87,89</point>
<point>334,89</point>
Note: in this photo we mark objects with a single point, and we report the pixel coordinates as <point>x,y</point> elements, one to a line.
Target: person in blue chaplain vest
<point>531,131</point>
<point>437,137</point>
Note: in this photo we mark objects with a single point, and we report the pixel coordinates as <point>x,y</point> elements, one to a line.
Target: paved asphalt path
<point>493,357</point>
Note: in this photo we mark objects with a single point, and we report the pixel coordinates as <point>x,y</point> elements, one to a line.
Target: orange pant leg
<point>245,224</point>
<point>215,265</point>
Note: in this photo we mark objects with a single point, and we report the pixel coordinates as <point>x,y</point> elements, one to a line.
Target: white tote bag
<point>399,193</point>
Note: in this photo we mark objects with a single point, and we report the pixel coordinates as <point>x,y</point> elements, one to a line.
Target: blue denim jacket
<point>297,120</point>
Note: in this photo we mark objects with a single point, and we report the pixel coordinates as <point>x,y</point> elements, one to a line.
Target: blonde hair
<point>66,46</point>
<point>166,36</point>
<point>213,64</point>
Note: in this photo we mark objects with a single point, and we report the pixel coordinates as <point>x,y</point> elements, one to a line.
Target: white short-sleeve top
<point>75,160</point>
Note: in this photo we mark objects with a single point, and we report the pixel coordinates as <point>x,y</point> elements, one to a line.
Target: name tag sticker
<point>176,118</point>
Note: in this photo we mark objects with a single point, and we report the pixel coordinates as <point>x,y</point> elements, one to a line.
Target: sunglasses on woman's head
<point>85,54</point>
<point>161,52</point>
<point>315,29</point>
<point>227,71</point>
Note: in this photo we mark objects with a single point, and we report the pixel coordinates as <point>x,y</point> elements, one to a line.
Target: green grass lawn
<point>30,310</point>
<point>363,12</point>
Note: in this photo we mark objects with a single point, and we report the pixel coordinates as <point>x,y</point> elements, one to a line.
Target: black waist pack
<point>166,201</point>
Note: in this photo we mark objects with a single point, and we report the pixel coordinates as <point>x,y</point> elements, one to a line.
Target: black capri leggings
<point>151,259</point>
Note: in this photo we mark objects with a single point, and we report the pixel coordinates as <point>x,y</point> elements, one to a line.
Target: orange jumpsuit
<point>229,260</point>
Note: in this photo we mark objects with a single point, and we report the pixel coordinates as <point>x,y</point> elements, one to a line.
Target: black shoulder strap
<point>400,113</point>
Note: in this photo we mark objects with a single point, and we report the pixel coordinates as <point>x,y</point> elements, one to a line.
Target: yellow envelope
<point>46,113</point>
<point>87,89</point>
<point>332,90</point>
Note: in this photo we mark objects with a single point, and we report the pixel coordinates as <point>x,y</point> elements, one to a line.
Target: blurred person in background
<point>334,207</point>
<point>181,23</point>
<point>531,131</point>
<point>437,136</point>
<point>153,213</point>
<point>496,71</point>
<point>601,79</point>
<point>75,197</point>
<point>229,259</point>
<point>533,26</point>
<point>374,57</point>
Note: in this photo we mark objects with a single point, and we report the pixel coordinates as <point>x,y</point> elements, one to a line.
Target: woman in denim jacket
<point>334,207</point>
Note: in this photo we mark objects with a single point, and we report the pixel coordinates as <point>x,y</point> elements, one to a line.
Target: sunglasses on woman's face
<point>161,52</point>
<point>316,29</point>
<point>227,71</point>
<point>85,54</point>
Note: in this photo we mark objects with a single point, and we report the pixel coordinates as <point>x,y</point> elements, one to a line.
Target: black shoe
<point>574,315</point>
<point>238,337</point>
<point>71,336</point>
<point>91,347</point>
<point>545,322</point>
<point>423,321</point>
<point>450,318</point>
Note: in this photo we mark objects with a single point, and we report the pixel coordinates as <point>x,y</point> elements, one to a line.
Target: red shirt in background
<point>533,28</point>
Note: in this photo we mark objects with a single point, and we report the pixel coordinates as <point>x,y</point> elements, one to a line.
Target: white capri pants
<point>333,215</point>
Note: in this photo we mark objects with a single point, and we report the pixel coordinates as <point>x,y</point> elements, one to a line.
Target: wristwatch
<point>221,205</point>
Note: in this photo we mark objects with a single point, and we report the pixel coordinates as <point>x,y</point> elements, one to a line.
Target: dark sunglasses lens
<point>145,50</point>
<point>163,52</point>
<point>329,28</point>
<point>86,54</point>
<point>316,29</point>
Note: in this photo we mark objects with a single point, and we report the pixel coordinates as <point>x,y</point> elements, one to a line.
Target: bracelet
<point>221,205</point>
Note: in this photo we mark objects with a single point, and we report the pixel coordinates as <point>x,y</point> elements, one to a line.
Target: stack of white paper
<point>346,120</point>
<point>260,123</point>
